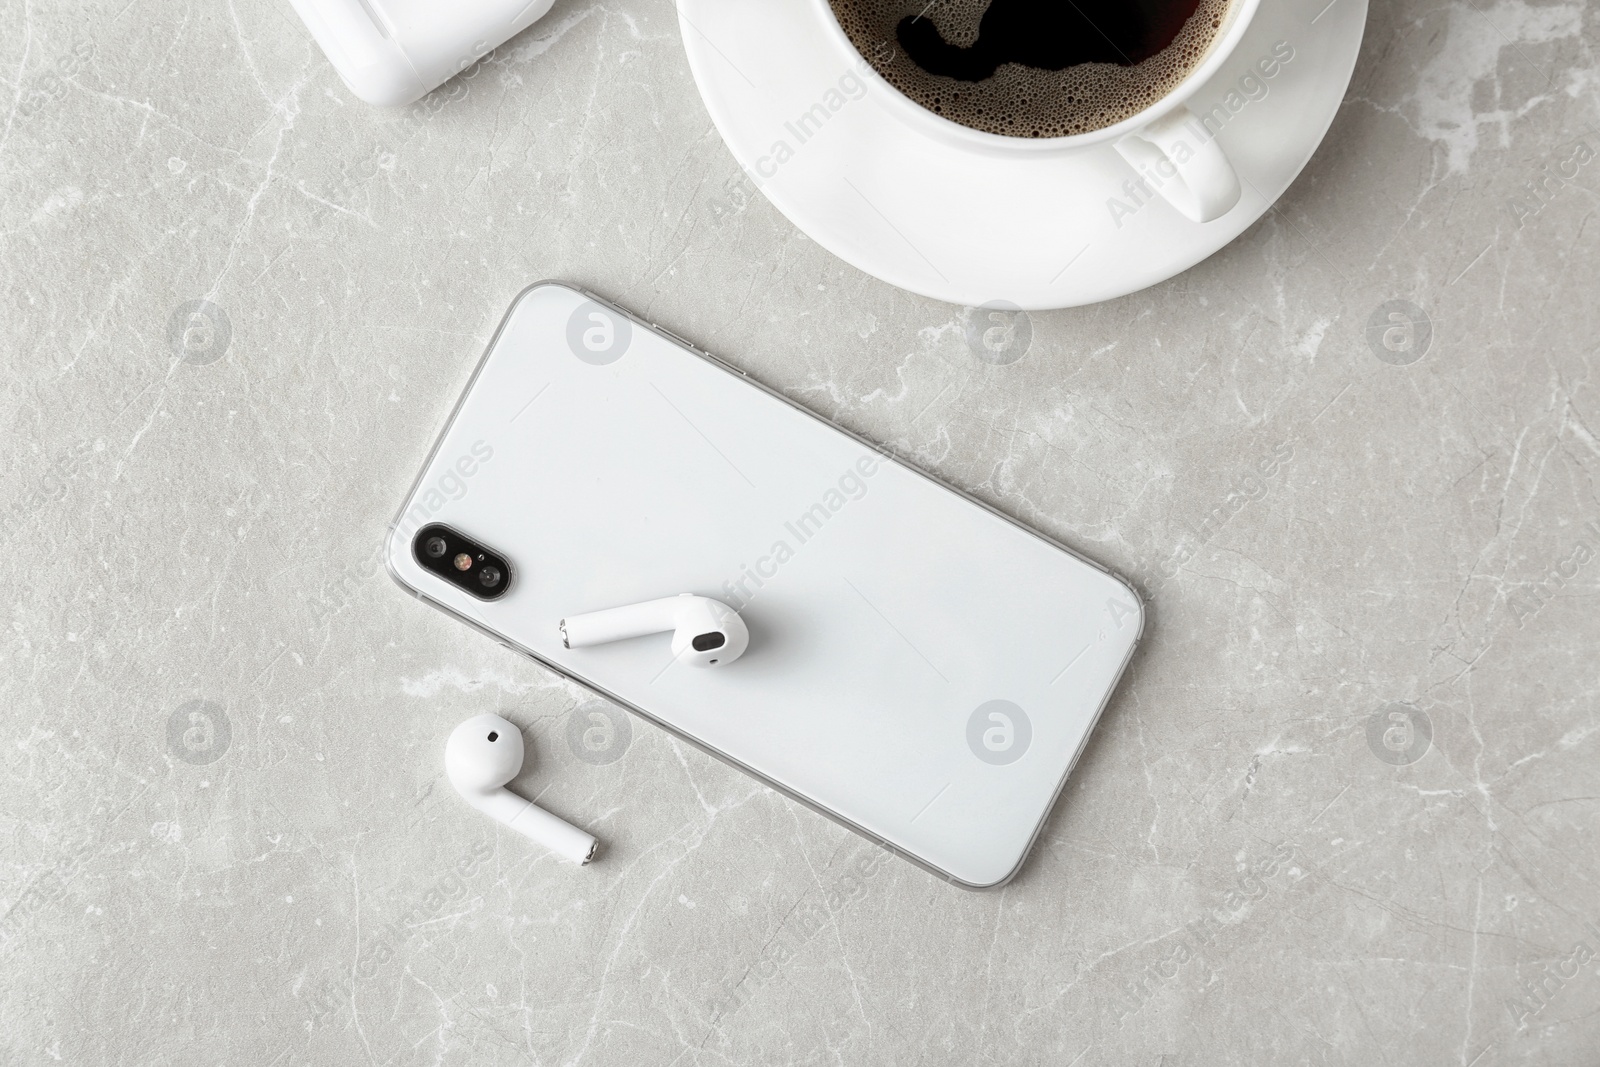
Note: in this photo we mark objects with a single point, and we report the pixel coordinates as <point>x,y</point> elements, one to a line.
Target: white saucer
<point>1035,232</point>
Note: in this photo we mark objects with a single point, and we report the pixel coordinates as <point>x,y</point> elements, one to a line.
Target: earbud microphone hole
<point>481,758</point>
<point>700,626</point>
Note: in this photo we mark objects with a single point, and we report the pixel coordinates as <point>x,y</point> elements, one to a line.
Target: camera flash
<point>463,562</point>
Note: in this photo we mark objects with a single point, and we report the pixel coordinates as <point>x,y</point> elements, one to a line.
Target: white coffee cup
<point>1167,137</point>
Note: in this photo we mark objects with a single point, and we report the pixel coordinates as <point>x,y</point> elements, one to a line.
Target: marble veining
<point>1335,815</point>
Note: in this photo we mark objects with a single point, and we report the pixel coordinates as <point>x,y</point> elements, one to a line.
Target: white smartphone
<point>921,668</point>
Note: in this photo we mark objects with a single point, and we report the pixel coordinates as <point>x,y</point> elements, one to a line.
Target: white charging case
<point>392,52</point>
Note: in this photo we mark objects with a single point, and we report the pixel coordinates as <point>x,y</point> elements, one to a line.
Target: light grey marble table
<point>1336,814</point>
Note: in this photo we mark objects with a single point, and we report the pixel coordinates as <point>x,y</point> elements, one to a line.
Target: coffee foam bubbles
<point>1019,101</point>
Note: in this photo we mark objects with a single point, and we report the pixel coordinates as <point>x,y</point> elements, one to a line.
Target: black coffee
<point>1033,68</point>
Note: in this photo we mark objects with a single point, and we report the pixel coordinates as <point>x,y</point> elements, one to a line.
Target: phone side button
<point>698,351</point>
<point>662,329</point>
<point>724,363</point>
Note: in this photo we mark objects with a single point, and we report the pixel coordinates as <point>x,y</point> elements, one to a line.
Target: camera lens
<point>435,547</point>
<point>489,577</point>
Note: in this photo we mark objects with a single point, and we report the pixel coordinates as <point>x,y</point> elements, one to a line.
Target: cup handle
<point>1176,157</point>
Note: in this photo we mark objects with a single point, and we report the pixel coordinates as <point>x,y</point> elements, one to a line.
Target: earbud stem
<point>536,824</point>
<point>558,835</point>
<point>619,624</point>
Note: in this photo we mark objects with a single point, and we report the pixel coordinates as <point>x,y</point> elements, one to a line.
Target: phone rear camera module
<point>463,562</point>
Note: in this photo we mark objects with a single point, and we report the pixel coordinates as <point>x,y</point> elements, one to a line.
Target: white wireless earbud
<point>705,632</point>
<point>483,754</point>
